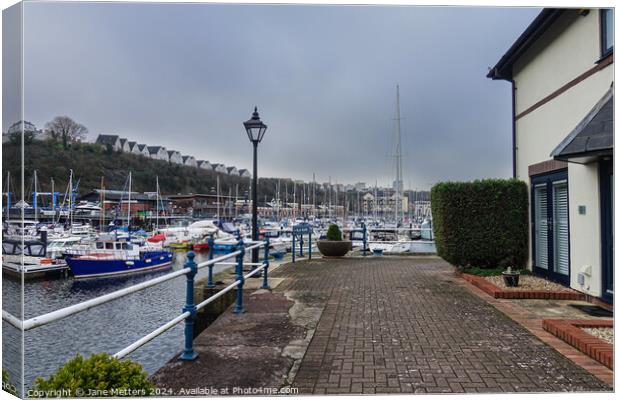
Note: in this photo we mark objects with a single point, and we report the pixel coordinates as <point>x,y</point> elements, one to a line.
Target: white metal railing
<point>190,309</point>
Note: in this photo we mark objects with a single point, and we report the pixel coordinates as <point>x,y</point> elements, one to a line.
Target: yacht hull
<point>93,266</point>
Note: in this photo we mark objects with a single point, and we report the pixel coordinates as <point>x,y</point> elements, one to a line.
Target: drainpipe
<point>514,129</point>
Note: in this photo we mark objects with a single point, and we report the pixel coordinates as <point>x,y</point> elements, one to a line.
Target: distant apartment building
<point>189,161</point>
<point>158,153</point>
<point>112,142</point>
<point>124,145</point>
<point>204,164</point>
<point>175,157</point>
<point>232,171</point>
<point>561,73</point>
<point>220,168</point>
<point>24,126</point>
<point>144,150</point>
<point>133,148</point>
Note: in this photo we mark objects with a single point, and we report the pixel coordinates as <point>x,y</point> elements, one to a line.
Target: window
<point>607,31</point>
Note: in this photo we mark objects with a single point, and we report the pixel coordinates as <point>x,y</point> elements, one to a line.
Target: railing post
<point>364,240</point>
<point>188,352</point>
<point>239,305</point>
<point>266,262</point>
<point>294,250</point>
<point>310,244</point>
<point>211,242</point>
<point>301,245</point>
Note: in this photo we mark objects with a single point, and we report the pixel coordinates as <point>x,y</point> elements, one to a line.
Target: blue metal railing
<point>190,309</point>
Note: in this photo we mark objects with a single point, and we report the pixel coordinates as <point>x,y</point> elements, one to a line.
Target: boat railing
<point>190,309</point>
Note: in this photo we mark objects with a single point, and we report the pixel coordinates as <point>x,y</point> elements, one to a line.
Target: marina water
<point>106,328</point>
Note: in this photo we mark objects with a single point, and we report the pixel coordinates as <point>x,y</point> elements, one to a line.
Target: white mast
<point>218,197</point>
<point>36,200</point>
<point>330,198</point>
<point>157,202</point>
<point>398,209</point>
<point>8,194</point>
<point>129,205</point>
<point>71,197</point>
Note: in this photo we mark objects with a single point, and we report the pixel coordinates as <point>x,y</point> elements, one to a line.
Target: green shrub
<point>7,386</point>
<point>491,271</point>
<point>333,232</point>
<point>481,223</point>
<point>100,372</point>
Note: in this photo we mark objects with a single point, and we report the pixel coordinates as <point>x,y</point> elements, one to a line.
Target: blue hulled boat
<point>116,257</point>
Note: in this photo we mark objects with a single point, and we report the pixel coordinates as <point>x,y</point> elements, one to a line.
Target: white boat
<point>29,257</point>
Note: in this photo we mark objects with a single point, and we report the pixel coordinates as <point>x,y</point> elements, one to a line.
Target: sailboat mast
<point>8,194</point>
<point>157,202</point>
<point>129,205</point>
<point>102,206</point>
<point>399,167</point>
<point>71,197</point>
<point>218,196</point>
<point>36,208</point>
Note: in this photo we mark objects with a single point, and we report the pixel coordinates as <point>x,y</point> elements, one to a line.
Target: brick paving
<point>399,325</point>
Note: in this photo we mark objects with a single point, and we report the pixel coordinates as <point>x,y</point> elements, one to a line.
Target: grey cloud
<point>186,75</point>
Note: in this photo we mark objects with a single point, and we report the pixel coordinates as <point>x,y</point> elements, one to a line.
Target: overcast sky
<point>324,78</point>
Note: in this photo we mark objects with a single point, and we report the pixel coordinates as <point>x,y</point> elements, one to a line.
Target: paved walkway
<point>400,325</point>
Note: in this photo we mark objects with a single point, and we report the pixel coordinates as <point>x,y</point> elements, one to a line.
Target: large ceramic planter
<point>334,248</point>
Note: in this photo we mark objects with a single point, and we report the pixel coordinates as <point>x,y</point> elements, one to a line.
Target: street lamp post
<point>255,129</point>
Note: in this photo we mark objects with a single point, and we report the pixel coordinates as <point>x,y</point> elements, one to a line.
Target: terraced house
<point>562,78</point>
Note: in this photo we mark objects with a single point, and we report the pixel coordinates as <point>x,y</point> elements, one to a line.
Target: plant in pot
<point>334,246</point>
<point>511,278</point>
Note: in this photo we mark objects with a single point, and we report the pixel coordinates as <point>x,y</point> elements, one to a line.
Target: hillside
<point>90,162</point>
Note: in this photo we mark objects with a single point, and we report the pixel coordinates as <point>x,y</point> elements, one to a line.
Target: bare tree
<point>65,129</point>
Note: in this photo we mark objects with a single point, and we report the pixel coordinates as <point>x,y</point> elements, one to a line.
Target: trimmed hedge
<point>481,223</point>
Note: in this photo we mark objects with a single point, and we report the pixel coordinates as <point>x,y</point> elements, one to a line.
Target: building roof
<point>185,158</point>
<point>230,169</point>
<point>141,147</point>
<point>132,145</point>
<point>503,68</point>
<point>593,136</point>
<point>155,149</point>
<point>203,162</point>
<point>243,171</point>
<point>171,152</point>
<point>116,195</point>
<point>107,139</point>
<point>123,141</point>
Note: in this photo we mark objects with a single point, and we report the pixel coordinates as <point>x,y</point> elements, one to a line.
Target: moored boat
<point>116,257</point>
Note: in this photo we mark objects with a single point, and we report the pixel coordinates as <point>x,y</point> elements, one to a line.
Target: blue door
<point>606,175</point>
<point>550,228</point>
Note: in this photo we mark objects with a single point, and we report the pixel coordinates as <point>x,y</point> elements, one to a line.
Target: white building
<point>220,168</point>
<point>189,161</point>
<point>245,173</point>
<point>158,153</point>
<point>113,141</point>
<point>204,164</point>
<point>125,145</point>
<point>232,171</point>
<point>133,148</point>
<point>26,127</point>
<point>144,150</point>
<point>561,72</point>
<point>175,157</point>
